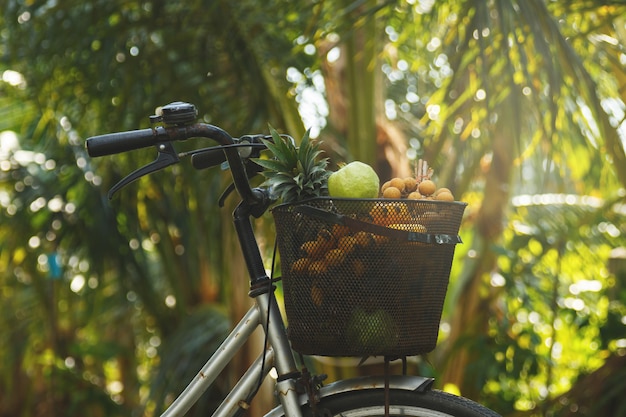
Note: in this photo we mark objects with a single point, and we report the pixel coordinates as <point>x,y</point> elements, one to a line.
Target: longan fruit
<point>326,238</point>
<point>410,184</point>
<point>346,243</point>
<point>415,195</point>
<point>392,192</point>
<point>314,248</point>
<point>379,213</point>
<point>339,231</point>
<point>358,267</point>
<point>335,257</point>
<point>409,227</point>
<point>317,267</point>
<point>363,239</point>
<point>397,183</point>
<point>317,296</point>
<point>398,212</point>
<point>442,189</point>
<point>427,187</point>
<point>385,186</point>
<point>444,196</point>
<point>300,266</point>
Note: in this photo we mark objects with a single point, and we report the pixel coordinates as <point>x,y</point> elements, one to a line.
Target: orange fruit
<point>380,239</point>
<point>409,227</point>
<point>379,213</point>
<point>398,212</point>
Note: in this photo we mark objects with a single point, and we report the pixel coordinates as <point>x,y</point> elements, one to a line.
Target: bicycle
<point>299,393</point>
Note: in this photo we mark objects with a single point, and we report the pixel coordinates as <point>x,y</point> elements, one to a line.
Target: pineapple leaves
<point>283,149</point>
<point>269,164</point>
<point>294,173</point>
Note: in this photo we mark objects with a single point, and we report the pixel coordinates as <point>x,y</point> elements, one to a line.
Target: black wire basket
<point>366,277</point>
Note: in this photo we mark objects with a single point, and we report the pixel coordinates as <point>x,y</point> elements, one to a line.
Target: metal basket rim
<point>373,200</point>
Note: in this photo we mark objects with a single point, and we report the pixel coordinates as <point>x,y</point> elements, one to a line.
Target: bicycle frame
<point>291,400</point>
<point>265,313</point>
<point>279,355</point>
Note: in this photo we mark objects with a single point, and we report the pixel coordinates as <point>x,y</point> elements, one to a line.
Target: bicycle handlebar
<point>113,143</point>
<point>208,158</point>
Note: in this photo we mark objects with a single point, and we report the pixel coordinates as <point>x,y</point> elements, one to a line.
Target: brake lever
<point>167,156</point>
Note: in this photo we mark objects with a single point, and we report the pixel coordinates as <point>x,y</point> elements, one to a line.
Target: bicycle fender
<point>400,382</point>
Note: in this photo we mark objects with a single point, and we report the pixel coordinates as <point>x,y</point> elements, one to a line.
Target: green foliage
<point>545,332</point>
<point>470,66</point>
<point>97,296</point>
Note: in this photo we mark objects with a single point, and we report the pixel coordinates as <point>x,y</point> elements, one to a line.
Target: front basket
<point>366,276</point>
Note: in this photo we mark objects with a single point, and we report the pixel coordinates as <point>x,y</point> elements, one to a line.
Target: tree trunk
<point>357,126</point>
<point>472,308</point>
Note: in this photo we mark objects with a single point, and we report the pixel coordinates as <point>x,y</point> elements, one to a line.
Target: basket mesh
<point>351,292</point>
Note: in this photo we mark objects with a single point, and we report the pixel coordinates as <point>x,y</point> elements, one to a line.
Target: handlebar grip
<point>113,143</point>
<point>208,158</point>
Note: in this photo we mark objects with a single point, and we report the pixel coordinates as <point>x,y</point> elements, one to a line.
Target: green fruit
<point>355,180</point>
<point>375,331</point>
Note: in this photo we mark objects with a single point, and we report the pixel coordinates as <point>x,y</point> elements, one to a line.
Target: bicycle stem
<point>249,247</point>
<point>255,200</point>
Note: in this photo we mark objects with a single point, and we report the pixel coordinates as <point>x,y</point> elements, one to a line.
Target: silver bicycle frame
<point>277,355</point>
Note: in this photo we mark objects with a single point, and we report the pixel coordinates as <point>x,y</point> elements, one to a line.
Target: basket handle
<point>359,225</point>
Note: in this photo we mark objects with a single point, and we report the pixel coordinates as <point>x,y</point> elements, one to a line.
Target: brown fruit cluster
<point>330,249</point>
<point>338,248</point>
<point>419,187</point>
<point>334,251</point>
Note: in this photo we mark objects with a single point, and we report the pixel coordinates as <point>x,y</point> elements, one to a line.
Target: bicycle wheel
<point>371,402</point>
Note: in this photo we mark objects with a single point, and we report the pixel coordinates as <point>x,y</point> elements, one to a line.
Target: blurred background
<point>108,308</point>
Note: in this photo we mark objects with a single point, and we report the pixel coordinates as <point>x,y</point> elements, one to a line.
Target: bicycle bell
<point>176,113</point>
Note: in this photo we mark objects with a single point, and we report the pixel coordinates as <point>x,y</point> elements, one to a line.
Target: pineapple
<point>295,173</point>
